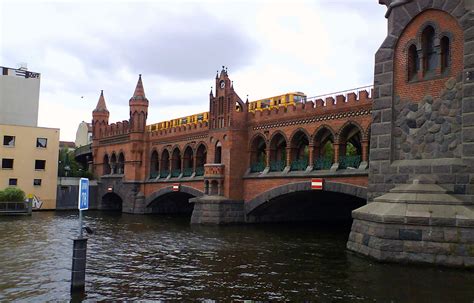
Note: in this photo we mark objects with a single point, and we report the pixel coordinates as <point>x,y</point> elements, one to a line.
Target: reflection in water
<point>155,257</point>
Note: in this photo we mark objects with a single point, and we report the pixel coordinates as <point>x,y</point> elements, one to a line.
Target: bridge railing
<point>319,164</point>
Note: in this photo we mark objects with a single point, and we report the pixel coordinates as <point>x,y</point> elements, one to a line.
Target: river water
<point>164,258</point>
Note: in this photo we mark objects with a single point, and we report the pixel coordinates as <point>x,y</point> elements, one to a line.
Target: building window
<point>37,182</point>
<point>218,153</point>
<point>9,141</point>
<point>7,163</point>
<point>40,164</point>
<point>12,182</point>
<point>413,63</point>
<point>445,54</point>
<point>41,142</point>
<point>429,52</point>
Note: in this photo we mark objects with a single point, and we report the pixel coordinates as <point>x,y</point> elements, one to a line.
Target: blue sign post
<point>83,200</point>
<point>79,252</point>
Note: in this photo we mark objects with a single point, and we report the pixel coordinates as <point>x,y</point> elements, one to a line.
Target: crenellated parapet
<point>177,130</point>
<point>316,106</point>
<point>116,129</point>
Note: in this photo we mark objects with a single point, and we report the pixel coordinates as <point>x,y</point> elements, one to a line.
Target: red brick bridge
<point>252,154</point>
<point>255,161</point>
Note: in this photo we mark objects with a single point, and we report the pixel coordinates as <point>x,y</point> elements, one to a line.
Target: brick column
<point>194,162</point>
<point>365,150</point>
<point>269,152</point>
<point>335,146</point>
<point>289,154</point>
<point>311,155</point>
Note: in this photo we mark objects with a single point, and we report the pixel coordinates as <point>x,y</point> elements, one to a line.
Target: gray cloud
<point>182,47</point>
<point>186,45</point>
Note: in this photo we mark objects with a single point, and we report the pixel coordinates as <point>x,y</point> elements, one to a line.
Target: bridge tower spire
<point>100,116</point>
<point>138,108</point>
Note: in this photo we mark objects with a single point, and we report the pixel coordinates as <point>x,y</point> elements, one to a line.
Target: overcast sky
<point>269,47</point>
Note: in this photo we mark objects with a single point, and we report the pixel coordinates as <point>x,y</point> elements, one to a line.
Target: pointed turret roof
<point>139,93</point>
<point>211,93</point>
<point>101,107</point>
<point>223,71</point>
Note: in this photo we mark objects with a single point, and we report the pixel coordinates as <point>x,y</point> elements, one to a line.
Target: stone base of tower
<point>415,223</point>
<point>216,210</point>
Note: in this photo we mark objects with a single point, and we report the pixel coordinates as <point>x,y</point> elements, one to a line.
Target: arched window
<point>299,151</point>
<point>258,155</point>
<point>218,153</point>
<point>106,166</point>
<point>445,54</point>
<point>350,151</point>
<point>165,164</point>
<point>413,62</point>
<point>113,164</point>
<point>176,163</point>
<point>154,165</point>
<point>323,149</point>
<point>429,52</point>
<point>121,164</point>
<point>201,155</point>
<point>188,162</point>
<point>277,152</point>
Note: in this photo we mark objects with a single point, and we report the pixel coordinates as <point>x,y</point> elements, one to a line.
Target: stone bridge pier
<point>420,194</point>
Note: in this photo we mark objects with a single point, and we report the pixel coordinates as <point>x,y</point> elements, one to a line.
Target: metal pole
<point>80,223</point>
<point>78,273</point>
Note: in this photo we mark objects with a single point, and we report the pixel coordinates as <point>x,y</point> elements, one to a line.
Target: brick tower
<point>100,117</point>
<point>227,132</point>
<point>100,121</point>
<point>420,193</point>
<point>138,104</point>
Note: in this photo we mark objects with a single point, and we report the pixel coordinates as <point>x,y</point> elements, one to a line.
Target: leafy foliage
<point>12,194</point>
<point>69,167</point>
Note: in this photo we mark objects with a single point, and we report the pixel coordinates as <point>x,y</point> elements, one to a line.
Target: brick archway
<point>329,186</point>
<point>184,189</point>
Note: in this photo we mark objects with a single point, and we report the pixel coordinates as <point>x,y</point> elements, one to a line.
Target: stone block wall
<point>429,118</point>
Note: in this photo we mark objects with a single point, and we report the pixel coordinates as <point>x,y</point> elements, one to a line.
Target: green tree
<point>69,167</point>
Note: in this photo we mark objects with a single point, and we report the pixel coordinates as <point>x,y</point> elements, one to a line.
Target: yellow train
<point>277,101</point>
<point>258,105</point>
<point>193,119</point>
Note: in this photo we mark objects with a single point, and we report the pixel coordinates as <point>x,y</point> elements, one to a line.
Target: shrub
<point>12,194</point>
<point>2,196</point>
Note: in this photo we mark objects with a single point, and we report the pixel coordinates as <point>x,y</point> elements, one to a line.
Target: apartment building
<point>28,153</point>
<point>29,161</point>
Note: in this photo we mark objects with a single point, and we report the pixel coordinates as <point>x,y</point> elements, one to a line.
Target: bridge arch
<point>167,201</point>
<point>169,190</point>
<point>111,201</point>
<point>355,196</point>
